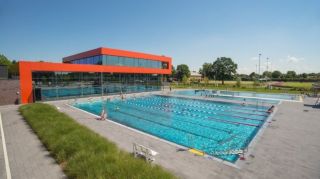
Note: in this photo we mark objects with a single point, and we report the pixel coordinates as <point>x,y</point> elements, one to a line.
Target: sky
<point>191,32</point>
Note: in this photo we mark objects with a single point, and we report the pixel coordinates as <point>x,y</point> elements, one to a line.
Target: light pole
<point>267,64</point>
<point>259,62</point>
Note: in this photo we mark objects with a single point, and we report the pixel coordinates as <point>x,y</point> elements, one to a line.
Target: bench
<point>140,150</point>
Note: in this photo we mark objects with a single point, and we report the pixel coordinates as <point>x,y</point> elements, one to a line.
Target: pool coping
<point>257,137</point>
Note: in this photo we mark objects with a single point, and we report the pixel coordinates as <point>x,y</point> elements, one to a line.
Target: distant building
<point>3,72</point>
<point>265,79</point>
<point>195,76</point>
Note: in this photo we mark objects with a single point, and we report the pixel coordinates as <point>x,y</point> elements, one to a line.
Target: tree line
<point>278,76</point>
<point>12,65</point>
<point>224,68</point>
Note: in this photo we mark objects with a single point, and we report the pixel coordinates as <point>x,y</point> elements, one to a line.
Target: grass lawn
<point>288,87</point>
<point>231,82</point>
<point>306,85</point>
<point>81,152</point>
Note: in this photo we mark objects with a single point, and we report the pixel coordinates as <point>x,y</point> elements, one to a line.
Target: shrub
<point>185,80</point>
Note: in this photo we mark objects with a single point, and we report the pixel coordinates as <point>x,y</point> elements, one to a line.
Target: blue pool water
<point>204,125</point>
<point>224,96</point>
<point>261,95</point>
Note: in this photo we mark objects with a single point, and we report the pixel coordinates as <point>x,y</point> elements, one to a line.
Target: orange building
<point>102,71</point>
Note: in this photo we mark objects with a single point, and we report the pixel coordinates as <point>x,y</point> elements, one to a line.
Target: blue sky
<point>189,31</point>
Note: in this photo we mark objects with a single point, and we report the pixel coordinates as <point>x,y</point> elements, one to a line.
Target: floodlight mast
<point>267,64</point>
<point>259,63</point>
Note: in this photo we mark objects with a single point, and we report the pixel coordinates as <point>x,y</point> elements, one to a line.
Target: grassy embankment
<point>287,87</point>
<point>81,152</point>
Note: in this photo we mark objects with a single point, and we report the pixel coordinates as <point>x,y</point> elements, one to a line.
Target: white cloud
<point>254,58</point>
<point>293,59</point>
<point>298,64</point>
<point>283,64</point>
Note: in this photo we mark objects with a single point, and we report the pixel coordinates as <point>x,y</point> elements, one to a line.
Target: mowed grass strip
<point>81,152</point>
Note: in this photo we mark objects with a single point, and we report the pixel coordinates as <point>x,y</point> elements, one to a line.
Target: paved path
<point>2,162</point>
<point>28,158</point>
<point>288,148</point>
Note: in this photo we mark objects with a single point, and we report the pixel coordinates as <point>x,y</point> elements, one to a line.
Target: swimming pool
<point>214,94</point>
<point>261,95</point>
<point>208,126</point>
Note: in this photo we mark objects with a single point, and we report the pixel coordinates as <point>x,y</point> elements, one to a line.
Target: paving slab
<point>3,173</point>
<point>28,158</point>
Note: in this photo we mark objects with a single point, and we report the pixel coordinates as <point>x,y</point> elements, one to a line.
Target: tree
<point>244,77</point>
<point>224,68</point>
<point>267,74</point>
<point>291,74</point>
<point>304,75</point>
<point>183,70</point>
<point>173,72</point>
<point>253,76</point>
<point>276,74</point>
<point>14,68</point>
<point>207,71</point>
<point>4,60</point>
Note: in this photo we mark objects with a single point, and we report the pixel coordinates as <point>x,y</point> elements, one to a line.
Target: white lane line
<point>6,161</point>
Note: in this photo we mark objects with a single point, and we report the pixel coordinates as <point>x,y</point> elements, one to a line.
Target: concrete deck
<point>8,89</point>
<point>28,159</point>
<point>288,147</point>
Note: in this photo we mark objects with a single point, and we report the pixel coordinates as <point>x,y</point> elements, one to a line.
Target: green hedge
<point>81,152</point>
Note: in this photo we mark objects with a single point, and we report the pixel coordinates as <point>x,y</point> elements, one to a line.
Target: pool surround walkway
<point>286,149</point>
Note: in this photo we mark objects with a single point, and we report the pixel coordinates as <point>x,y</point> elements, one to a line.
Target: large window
<point>96,60</point>
<point>112,60</point>
<point>121,61</point>
<point>61,85</point>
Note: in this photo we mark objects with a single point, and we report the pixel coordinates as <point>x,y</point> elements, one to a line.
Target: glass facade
<point>121,61</point>
<point>63,85</point>
<point>95,60</point>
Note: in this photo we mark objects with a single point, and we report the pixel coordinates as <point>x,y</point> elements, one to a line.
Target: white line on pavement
<point>6,161</point>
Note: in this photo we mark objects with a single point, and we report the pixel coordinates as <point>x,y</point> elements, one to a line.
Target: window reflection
<point>121,61</point>
<point>61,85</point>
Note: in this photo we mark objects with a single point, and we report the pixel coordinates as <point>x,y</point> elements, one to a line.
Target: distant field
<point>307,85</point>
<point>231,82</point>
